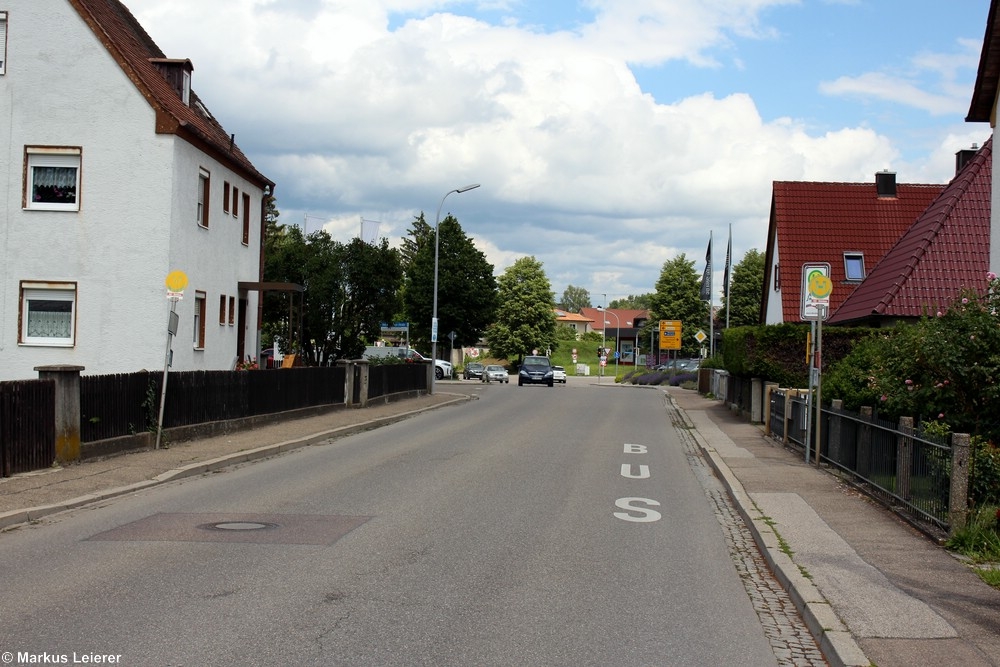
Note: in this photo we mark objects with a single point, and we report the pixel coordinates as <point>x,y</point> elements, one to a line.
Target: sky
<point>607,136</point>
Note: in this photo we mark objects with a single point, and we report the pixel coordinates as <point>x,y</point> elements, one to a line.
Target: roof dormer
<point>177,72</point>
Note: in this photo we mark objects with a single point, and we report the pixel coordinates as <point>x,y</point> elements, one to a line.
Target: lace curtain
<point>49,319</point>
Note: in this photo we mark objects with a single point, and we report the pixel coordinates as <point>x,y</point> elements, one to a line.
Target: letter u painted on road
<point>643,471</point>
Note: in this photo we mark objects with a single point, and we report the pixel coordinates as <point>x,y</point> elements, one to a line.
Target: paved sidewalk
<point>873,590</point>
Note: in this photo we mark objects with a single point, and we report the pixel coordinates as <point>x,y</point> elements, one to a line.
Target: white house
<point>114,175</point>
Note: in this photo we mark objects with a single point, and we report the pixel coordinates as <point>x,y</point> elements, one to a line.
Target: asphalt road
<point>536,526</point>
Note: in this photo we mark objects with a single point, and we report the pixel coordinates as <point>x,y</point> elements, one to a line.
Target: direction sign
<point>816,289</point>
<point>670,334</point>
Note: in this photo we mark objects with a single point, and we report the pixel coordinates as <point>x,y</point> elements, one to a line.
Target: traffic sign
<point>670,334</point>
<point>816,289</point>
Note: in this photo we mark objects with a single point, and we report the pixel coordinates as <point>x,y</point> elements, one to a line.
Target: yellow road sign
<point>670,334</point>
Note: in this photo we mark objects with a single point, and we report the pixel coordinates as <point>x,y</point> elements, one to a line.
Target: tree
<point>526,318</point>
<point>575,299</point>
<point>631,302</point>
<point>678,297</point>
<point>348,290</point>
<point>745,291</point>
<point>467,289</point>
<point>369,295</point>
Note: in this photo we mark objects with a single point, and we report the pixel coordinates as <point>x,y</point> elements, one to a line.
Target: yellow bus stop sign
<point>176,282</point>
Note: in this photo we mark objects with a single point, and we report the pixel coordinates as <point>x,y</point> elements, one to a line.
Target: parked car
<point>535,370</point>
<point>495,373</point>
<point>473,371</point>
<point>559,374</point>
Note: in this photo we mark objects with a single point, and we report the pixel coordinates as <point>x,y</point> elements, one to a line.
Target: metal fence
<point>893,461</point>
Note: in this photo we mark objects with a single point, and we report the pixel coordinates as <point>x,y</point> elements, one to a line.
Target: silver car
<point>559,374</point>
<point>495,373</point>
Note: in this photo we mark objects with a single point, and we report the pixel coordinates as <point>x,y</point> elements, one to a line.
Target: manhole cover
<point>238,525</point>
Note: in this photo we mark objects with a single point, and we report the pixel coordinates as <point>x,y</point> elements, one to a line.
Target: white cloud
<point>579,166</point>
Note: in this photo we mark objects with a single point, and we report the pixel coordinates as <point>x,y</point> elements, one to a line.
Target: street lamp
<point>618,330</point>
<point>434,314</point>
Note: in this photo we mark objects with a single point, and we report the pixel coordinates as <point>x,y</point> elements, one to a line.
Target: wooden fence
<point>113,406</point>
<point>27,426</point>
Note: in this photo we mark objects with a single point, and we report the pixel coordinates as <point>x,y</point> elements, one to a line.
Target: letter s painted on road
<point>646,515</point>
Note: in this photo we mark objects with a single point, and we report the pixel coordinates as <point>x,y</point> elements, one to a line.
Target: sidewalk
<point>872,589</point>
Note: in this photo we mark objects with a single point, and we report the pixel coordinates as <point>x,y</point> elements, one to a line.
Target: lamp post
<point>434,314</point>
<point>618,330</point>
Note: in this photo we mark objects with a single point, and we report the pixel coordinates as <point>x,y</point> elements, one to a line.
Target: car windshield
<point>494,368</point>
<point>536,362</point>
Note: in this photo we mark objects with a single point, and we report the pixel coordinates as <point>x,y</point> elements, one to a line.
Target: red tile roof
<point>944,252</point>
<point>819,222</point>
<point>626,316</point>
<point>133,49</point>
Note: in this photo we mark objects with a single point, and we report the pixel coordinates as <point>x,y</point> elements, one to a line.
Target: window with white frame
<point>854,266</point>
<point>52,180</point>
<point>3,42</point>
<point>48,314</point>
<point>199,321</point>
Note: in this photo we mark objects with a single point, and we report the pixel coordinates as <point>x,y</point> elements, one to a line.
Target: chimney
<point>885,183</point>
<point>963,156</point>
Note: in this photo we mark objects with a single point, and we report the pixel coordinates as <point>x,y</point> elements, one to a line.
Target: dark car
<point>535,370</point>
<point>473,371</point>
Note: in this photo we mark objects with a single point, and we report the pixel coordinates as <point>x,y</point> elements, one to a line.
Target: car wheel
<point>438,373</point>
<point>520,384</point>
<point>551,383</point>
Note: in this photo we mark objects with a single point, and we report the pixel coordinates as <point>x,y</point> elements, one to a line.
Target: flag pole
<point>711,318</point>
<point>725,287</point>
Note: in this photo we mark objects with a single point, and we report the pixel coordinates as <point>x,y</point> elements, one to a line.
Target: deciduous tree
<point>677,297</point>
<point>525,319</point>
<point>467,289</point>
<point>745,291</point>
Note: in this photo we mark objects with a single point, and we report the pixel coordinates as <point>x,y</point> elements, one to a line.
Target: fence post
<point>958,496</point>
<point>67,409</point>
<point>904,457</point>
<point>769,388</point>
<point>756,400</point>
<point>348,380</point>
<point>865,441</point>
<point>362,366</point>
<point>836,421</point>
<point>788,421</point>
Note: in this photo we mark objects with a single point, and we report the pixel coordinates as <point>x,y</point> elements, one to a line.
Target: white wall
<point>774,314</point>
<point>136,221</point>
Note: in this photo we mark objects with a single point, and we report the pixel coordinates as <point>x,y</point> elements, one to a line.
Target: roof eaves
<point>985,91</point>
